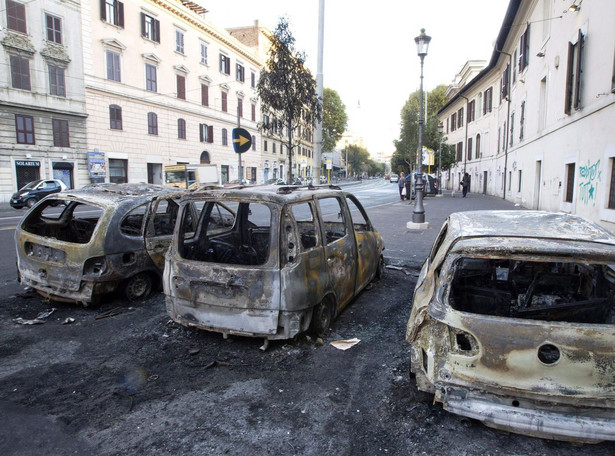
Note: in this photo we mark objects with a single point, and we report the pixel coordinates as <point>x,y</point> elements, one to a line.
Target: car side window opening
<point>333,218</point>
<point>162,222</point>
<point>306,225</point>
<point>132,223</point>
<point>359,217</point>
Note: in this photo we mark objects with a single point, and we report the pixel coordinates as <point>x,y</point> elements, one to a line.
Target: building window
<point>150,28</point>
<point>24,129</point>
<point>612,188</point>
<point>459,151</point>
<point>504,131</point>
<point>504,83</point>
<point>112,11</point>
<point>512,129</point>
<point>118,171</point>
<point>524,50</point>
<point>265,146</point>
<point>57,84</point>
<point>151,82</point>
<point>204,94</point>
<point>469,149</point>
<point>253,79</point>
<point>115,117</point>
<point>274,148</point>
<point>224,101</point>
<point>569,182</point>
<point>573,74</point>
<point>20,72</point>
<point>454,122</point>
<point>478,154</point>
<point>179,41</point>
<point>181,87</point>
<point>253,113</point>
<point>488,100</point>
<point>471,109</point>
<point>60,133</point>
<point>253,142</point>
<point>522,121</point>
<point>224,137</point>
<point>240,107</point>
<point>224,179</point>
<point>460,118</point>
<point>54,28</point>
<point>225,64</point>
<point>519,188</point>
<point>206,133</point>
<point>152,123</point>
<point>16,16</point>
<point>241,73</point>
<point>514,67</point>
<point>113,66</point>
<point>181,128</point>
<point>203,53</point>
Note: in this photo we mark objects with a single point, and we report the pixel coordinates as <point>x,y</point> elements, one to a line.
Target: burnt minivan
<point>270,261</point>
<point>77,245</point>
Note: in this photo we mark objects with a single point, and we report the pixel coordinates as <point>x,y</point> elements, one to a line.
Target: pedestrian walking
<point>400,184</point>
<point>465,184</point>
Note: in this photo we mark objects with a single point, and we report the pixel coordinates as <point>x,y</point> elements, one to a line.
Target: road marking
<point>5,228</point>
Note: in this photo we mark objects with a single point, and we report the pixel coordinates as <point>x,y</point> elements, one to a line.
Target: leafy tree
<point>406,147</point>
<point>360,162</point>
<point>334,119</point>
<point>287,88</point>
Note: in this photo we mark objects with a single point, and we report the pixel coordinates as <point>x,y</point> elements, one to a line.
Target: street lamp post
<point>418,215</point>
<point>440,131</point>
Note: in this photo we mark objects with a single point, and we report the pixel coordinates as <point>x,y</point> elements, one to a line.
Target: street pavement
<point>408,248</point>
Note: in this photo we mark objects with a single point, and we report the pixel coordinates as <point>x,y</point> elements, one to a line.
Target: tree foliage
<point>360,162</point>
<point>287,89</point>
<point>334,119</point>
<point>406,147</point>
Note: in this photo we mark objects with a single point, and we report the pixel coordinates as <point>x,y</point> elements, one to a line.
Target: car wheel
<point>31,202</point>
<point>322,316</point>
<point>138,286</point>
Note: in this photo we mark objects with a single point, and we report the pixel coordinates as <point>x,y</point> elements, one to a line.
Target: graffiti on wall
<point>590,177</point>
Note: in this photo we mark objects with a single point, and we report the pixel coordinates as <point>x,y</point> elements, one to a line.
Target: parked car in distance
<point>33,192</point>
<point>239,182</point>
<point>107,236</point>
<point>269,262</point>
<point>512,323</point>
<point>394,178</point>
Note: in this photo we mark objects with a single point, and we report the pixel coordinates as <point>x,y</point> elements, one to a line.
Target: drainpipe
<point>465,145</point>
<point>509,84</point>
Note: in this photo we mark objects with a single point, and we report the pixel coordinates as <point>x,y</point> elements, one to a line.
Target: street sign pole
<point>239,171</point>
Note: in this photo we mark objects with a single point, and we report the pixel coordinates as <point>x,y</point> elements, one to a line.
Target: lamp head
<point>422,43</point>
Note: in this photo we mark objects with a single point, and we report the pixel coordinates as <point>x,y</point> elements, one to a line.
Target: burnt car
<point>33,192</point>
<point>270,261</point>
<point>512,323</point>
<point>77,245</point>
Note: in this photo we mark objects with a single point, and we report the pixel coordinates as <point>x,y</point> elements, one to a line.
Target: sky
<point>370,55</point>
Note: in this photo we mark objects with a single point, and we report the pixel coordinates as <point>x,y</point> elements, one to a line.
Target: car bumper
<point>576,424</point>
<point>17,204</point>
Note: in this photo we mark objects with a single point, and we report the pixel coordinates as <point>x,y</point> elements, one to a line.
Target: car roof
<point>109,194</point>
<point>526,224</point>
<point>279,194</point>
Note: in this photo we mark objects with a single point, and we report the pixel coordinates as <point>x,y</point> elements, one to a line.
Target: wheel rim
<point>30,202</point>
<point>138,287</point>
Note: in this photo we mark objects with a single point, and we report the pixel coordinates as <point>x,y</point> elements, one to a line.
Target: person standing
<point>465,184</point>
<point>400,184</point>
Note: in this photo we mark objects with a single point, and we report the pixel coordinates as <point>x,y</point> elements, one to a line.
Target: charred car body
<point>104,236</point>
<point>513,323</point>
<point>269,261</point>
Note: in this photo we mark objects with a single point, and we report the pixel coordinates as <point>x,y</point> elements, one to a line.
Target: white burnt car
<point>270,261</point>
<point>513,321</point>
<point>77,245</point>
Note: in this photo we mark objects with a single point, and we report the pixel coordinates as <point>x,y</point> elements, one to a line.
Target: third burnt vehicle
<point>512,323</point>
<point>269,261</point>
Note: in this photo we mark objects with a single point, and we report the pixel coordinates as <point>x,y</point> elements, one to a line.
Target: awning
<point>63,165</point>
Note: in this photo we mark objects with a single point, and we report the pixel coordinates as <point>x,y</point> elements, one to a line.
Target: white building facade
<point>42,97</point>
<point>535,126</point>
<point>165,86</point>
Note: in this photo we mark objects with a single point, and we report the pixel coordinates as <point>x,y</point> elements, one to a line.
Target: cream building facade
<point>42,101</point>
<point>535,126</point>
<point>164,86</point>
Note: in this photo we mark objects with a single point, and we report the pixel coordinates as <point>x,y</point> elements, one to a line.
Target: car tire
<point>322,316</point>
<point>138,287</point>
<point>30,202</point>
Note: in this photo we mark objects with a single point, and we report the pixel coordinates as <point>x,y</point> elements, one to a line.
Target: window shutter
<point>142,24</point>
<point>577,82</point>
<point>201,132</point>
<point>120,14</point>
<point>568,97</point>
<point>103,10</point>
<point>210,134</point>
<point>157,31</point>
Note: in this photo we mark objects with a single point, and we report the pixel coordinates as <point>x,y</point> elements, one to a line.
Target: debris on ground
<point>39,320</point>
<point>345,344</point>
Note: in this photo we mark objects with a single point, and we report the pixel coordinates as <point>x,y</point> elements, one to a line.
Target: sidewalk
<point>409,248</point>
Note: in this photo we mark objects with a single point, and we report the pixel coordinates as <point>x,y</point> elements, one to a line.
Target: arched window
<point>205,158</point>
<point>478,154</point>
<point>181,128</point>
<point>115,117</point>
<point>224,137</point>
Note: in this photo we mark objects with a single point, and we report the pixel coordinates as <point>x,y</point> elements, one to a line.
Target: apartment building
<point>42,97</point>
<point>534,126</point>
<point>164,86</point>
